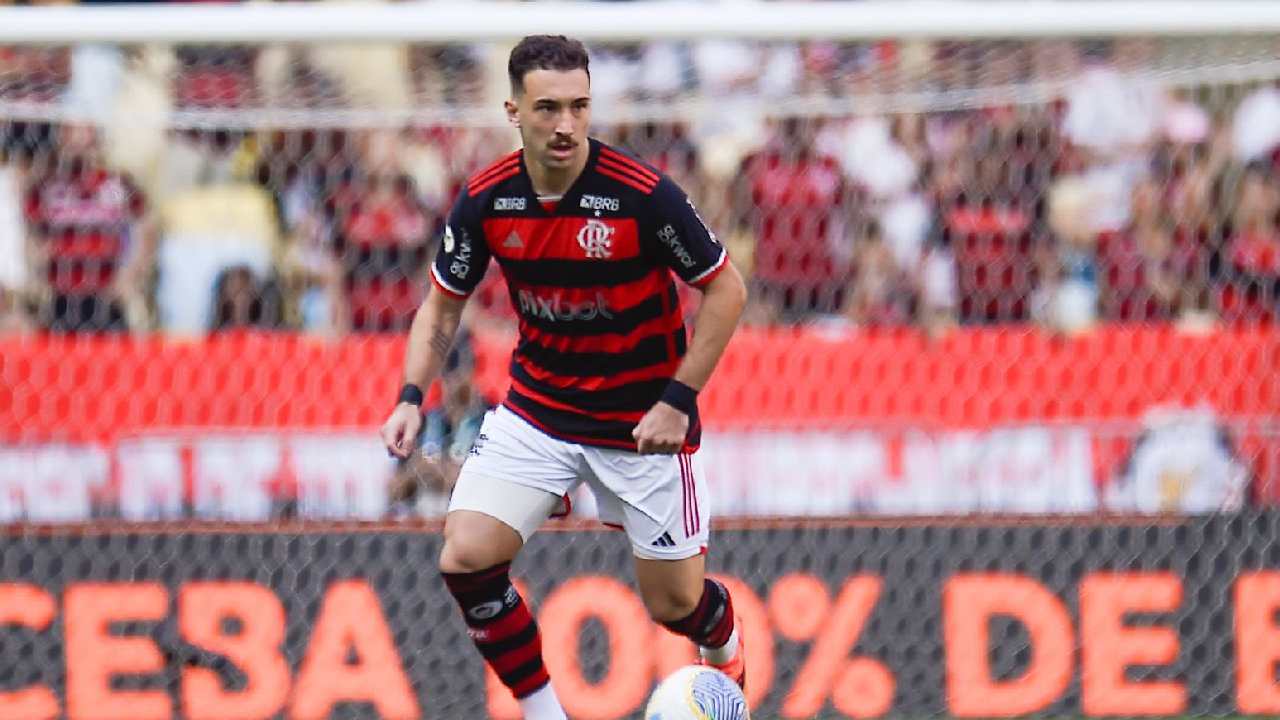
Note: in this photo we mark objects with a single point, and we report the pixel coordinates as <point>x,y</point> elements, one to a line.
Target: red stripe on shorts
<point>693,493</point>
<point>684,492</point>
<point>693,490</point>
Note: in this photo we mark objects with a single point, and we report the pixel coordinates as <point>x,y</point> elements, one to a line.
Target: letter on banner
<point>1110,646</point>
<point>351,619</point>
<point>969,602</point>
<point>1257,643</point>
<point>31,607</point>
<point>255,650</point>
<point>626,684</point>
<point>95,655</point>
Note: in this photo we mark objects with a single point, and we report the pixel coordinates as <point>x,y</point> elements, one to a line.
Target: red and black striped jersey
<point>601,330</point>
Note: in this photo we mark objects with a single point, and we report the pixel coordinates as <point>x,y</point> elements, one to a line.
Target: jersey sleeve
<point>681,240</point>
<point>463,256</point>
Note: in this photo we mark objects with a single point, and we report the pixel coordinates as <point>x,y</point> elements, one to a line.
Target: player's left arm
<point>694,253</point>
<point>723,299</point>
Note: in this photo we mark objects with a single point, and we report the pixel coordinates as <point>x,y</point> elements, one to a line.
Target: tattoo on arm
<point>440,343</point>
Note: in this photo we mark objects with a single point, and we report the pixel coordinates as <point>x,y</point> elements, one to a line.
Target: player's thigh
<point>515,474</point>
<point>661,501</point>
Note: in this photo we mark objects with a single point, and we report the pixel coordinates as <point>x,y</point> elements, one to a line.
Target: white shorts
<point>520,475</point>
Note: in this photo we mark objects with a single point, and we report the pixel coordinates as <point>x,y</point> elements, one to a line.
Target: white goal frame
<point>454,21</point>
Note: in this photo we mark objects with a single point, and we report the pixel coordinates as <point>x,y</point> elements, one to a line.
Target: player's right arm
<point>430,337</point>
<point>456,270</point>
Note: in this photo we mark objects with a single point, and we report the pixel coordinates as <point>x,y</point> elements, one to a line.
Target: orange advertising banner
<point>845,620</point>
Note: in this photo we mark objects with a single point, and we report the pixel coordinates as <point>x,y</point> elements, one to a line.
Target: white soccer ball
<point>697,692</point>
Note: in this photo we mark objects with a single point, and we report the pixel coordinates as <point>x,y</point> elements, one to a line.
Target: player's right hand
<point>400,431</point>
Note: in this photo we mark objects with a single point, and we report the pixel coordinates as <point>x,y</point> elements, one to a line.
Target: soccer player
<point>604,382</point>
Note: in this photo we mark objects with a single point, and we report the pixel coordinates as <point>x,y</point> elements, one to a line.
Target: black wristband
<point>681,397</point>
<point>411,394</point>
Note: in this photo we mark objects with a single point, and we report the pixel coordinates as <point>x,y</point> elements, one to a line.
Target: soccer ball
<point>697,692</point>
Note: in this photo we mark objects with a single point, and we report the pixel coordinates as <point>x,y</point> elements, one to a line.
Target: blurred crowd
<point>159,201</point>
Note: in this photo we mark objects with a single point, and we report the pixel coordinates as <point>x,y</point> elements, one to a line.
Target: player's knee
<point>671,602</point>
<point>474,542</point>
<point>455,559</point>
<point>465,556</point>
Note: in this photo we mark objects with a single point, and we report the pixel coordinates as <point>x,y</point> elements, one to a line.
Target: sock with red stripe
<point>710,625</point>
<point>502,627</point>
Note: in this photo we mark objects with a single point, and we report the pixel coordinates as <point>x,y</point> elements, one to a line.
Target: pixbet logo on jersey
<point>596,238</point>
<point>555,308</point>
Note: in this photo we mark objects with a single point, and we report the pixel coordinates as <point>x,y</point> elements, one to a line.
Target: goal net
<point>1014,276</point>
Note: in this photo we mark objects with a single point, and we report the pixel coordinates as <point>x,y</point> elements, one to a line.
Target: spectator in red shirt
<point>382,231</point>
<point>990,200</point>
<point>1148,272</point>
<point>215,76</point>
<point>796,202</point>
<point>89,234</point>
<point>1250,293</point>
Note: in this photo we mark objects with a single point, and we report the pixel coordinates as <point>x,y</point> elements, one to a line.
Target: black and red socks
<point>710,625</point>
<point>500,624</point>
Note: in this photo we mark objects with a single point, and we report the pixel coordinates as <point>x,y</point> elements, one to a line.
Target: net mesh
<point>986,278</point>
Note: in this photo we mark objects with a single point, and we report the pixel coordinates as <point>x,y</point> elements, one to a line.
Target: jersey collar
<point>571,197</point>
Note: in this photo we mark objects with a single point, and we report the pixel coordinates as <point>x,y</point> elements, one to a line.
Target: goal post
<point>647,21</point>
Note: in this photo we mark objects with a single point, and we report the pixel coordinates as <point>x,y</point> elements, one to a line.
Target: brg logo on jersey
<point>599,202</point>
<point>596,238</point>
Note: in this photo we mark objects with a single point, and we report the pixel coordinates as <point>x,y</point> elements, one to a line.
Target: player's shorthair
<point>545,52</point>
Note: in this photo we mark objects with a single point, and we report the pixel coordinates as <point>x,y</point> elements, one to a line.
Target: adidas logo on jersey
<point>664,541</point>
<point>513,240</point>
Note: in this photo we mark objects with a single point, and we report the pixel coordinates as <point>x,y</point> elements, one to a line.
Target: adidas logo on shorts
<point>664,541</point>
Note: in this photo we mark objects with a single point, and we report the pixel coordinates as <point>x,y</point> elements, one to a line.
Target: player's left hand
<point>661,430</point>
